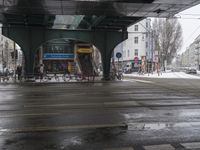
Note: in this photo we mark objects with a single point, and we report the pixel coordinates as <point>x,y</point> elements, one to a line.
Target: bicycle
<point>116,75</point>
<point>66,77</point>
<point>119,75</point>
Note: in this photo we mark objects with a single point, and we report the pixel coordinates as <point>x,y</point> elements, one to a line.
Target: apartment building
<point>191,57</point>
<point>138,46</point>
<point>7,54</point>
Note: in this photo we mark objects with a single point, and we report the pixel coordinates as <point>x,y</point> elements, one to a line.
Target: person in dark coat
<point>19,72</point>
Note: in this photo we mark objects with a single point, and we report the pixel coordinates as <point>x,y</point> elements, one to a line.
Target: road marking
<point>57,128</point>
<point>159,147</point>
<point>121,103</point>
<point>122,148</point>
<point>193,145</point>
<point>137,80</point>
<point>106,104</point>
<point>62,105</point>
<point>33,114</point>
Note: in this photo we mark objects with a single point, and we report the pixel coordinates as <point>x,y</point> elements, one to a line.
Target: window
<point>128,53</point>
<point>146,44</point>
<point>142,37</point>
<point>136,27</point>
<point>136,52</point>
<point>136,40</point>
<point>147,24</point>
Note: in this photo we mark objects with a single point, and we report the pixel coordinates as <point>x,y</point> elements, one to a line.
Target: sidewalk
<point>52,79</point>
<point>174,75</point>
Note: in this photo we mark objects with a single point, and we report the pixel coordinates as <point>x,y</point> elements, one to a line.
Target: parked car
<point>191,71</point>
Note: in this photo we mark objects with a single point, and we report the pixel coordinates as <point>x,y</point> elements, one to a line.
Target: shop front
<point>58,63</point>
<point>57,56</point>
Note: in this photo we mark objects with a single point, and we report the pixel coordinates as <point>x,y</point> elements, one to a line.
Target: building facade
<point>7,60</point>
<point>191,57</point>
<point>137,47</point>
<point>7,54</point>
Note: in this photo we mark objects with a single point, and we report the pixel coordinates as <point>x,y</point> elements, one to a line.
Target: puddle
<point>72,141</point>
<point>190,113</point>
<point>146,126</point>
<point>161,126</point>
<point>135,115</point>
<point>4,130</point>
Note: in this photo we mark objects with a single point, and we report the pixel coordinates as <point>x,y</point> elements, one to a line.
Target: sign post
<point>118,55</point>
<point>136,60</point>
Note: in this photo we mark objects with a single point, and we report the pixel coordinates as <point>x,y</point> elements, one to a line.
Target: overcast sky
<point>190,21</point>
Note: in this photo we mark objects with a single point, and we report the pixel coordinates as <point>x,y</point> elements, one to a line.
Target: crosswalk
<point>122,148</point>
<point>159,147</point>
<point>179,146</point>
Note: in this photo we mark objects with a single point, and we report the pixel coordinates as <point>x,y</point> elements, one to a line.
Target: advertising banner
<point>58,56</point>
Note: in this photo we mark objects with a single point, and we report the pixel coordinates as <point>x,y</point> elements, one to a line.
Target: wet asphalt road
<point>133,113</point>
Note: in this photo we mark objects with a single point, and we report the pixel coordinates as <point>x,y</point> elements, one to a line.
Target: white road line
<point>193,145</point>
<point>56,128</point>
<point>31,114</point>
<point>142,102</point>
<point>105,104</point>
<point>159,147</point>
<point>61,105</point>
<point>122,148</point>
<point>137,80</point>
<point>122,103</point>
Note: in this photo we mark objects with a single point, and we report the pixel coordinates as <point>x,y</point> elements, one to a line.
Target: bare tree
<point>167,38</point>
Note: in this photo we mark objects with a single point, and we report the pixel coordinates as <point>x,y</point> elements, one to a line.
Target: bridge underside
<point>92,16</point>
<point>87,14</point>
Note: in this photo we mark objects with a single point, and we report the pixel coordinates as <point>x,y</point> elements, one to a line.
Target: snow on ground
<point>167,74</point>
<point>57,79</point>
<point>177,75</point>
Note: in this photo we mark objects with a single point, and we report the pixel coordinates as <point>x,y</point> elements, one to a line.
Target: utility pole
<point>14,60</point>
<point>152,50</point>
<point>2,62</point>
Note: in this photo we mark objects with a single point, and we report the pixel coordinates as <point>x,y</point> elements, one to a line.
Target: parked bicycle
<point>116,75</point>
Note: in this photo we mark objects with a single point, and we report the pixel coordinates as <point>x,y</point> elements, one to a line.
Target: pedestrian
<point>41,71</point>
<point>69,68</point>
<point>19,72</point>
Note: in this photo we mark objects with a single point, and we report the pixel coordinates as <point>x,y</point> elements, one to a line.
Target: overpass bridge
<point>30,23</point>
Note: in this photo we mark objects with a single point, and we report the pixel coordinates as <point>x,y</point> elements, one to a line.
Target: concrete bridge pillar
<point>106,42</point>
<point>26,39</point>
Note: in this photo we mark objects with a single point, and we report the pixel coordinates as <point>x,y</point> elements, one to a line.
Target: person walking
<point>19,72</point>
<point>41,71</point>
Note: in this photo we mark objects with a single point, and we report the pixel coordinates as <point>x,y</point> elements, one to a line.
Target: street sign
<point>118,55</point>
<point>136,60</point>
